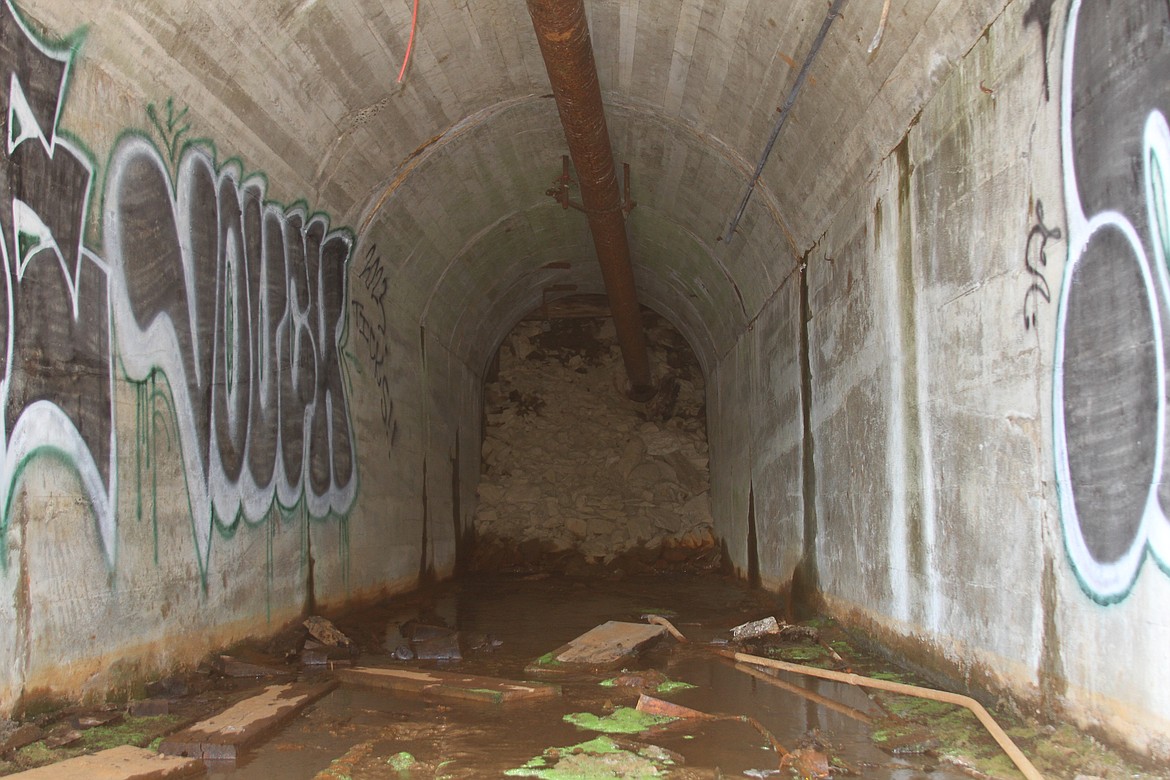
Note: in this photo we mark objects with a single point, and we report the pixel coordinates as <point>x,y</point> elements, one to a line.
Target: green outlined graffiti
<point>227,311</point>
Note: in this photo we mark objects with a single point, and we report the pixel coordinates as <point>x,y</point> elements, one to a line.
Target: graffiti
<point>170,128</point>
<point>56,387</point>
<point>372,328</point>
<point>241,304</point>
<point>1036,251</point>
<point>237,302</point>
<point>1109,388</point>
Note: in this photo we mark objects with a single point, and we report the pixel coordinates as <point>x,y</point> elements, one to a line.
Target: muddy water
<point>364,728</point>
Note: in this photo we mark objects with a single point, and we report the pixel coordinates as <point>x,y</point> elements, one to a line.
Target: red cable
<point>409,43</point>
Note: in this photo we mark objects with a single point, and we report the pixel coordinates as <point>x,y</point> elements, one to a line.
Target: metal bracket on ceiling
<point>560,189</point>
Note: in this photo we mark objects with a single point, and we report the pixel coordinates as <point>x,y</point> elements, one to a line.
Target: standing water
<point>505,623</point>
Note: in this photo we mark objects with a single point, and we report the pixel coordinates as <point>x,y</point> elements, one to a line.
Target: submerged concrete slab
<point>448,685</point>
<point>223,736</point>
<point>609,643</point>
<point>120,763</point>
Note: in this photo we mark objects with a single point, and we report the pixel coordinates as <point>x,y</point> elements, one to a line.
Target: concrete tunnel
<point>259,256</point>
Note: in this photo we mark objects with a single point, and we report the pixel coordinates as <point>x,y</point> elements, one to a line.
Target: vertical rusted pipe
<point>568,55</point>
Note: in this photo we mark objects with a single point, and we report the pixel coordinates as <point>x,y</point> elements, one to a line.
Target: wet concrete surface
<point>528,618</point>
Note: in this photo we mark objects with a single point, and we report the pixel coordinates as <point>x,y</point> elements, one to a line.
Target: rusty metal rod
<point>563,34</point>
<point>834,12</point>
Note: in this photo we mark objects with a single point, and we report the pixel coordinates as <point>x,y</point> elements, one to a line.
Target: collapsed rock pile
<point>571,462</point>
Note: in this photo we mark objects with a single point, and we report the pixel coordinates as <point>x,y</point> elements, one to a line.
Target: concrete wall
<point>218,409</point>
<point>987,379</point>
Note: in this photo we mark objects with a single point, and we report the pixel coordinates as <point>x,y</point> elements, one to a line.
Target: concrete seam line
<point>998,734</point>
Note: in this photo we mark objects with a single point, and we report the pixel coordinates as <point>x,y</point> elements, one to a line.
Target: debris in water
<point>317,654</point>
<point>598,758</point>
<point>448,685</point>
<point>342,768</point>
<point>667,709</point>
<point>608,643</point>
<point>326,633</point>
<point>401,762</point>
<point>809,763</point>
<point>439,648</point>
<point>222,737</point>
<point>658,620</point>
<point>648,680</point>
<point>623,720</point>
<point>755,628</point>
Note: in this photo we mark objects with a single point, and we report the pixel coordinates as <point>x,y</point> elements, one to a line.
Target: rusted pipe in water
<point>997,733</point>
<point>563,34</point>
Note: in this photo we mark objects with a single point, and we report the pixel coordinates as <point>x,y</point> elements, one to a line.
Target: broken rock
<point>326,633</point>
<point>755,628</point>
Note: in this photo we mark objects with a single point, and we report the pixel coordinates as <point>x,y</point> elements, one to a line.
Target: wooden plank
<point>608,643</point>
<point>223,736</point>
<point>448,685</point>
<point>120,763</point>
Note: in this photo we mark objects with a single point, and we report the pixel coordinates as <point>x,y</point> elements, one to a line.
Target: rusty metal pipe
<point>564,40</point>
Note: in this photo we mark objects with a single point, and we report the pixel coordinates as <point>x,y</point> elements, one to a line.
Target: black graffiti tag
<point>1035,260</point>
<point>239,302</point>
<point>372,328</point>
<point>241,305</point>
<point>54,324</point>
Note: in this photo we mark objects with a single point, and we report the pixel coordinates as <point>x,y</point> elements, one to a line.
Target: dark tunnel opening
<point>577,477</point>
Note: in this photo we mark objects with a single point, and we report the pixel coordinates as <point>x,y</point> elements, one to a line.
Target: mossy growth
<point>623,720</point>
<point>666,686</point>
<point>548,660</point>
<point>813,655</point>
<point>138,732</point>
<point>401,762</point>
<point>821,622</point>
<point>597,759</point>
<point>39,754</point>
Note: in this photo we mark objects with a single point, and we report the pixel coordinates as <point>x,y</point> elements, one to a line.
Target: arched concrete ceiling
<point>446,171</point>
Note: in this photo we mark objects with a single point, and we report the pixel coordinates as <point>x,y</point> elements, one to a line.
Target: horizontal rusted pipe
<point>563,34</point>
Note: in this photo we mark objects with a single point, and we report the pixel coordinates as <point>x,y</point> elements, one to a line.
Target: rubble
<point>572,464</point>
<point>326,633</point>
<point>755,628</point>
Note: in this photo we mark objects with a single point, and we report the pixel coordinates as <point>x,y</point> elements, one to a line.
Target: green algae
<point>597,759</point>
<point>670,686</point>
<point>623,720</point>
<point>401,762</point>
<point>667,686</point>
